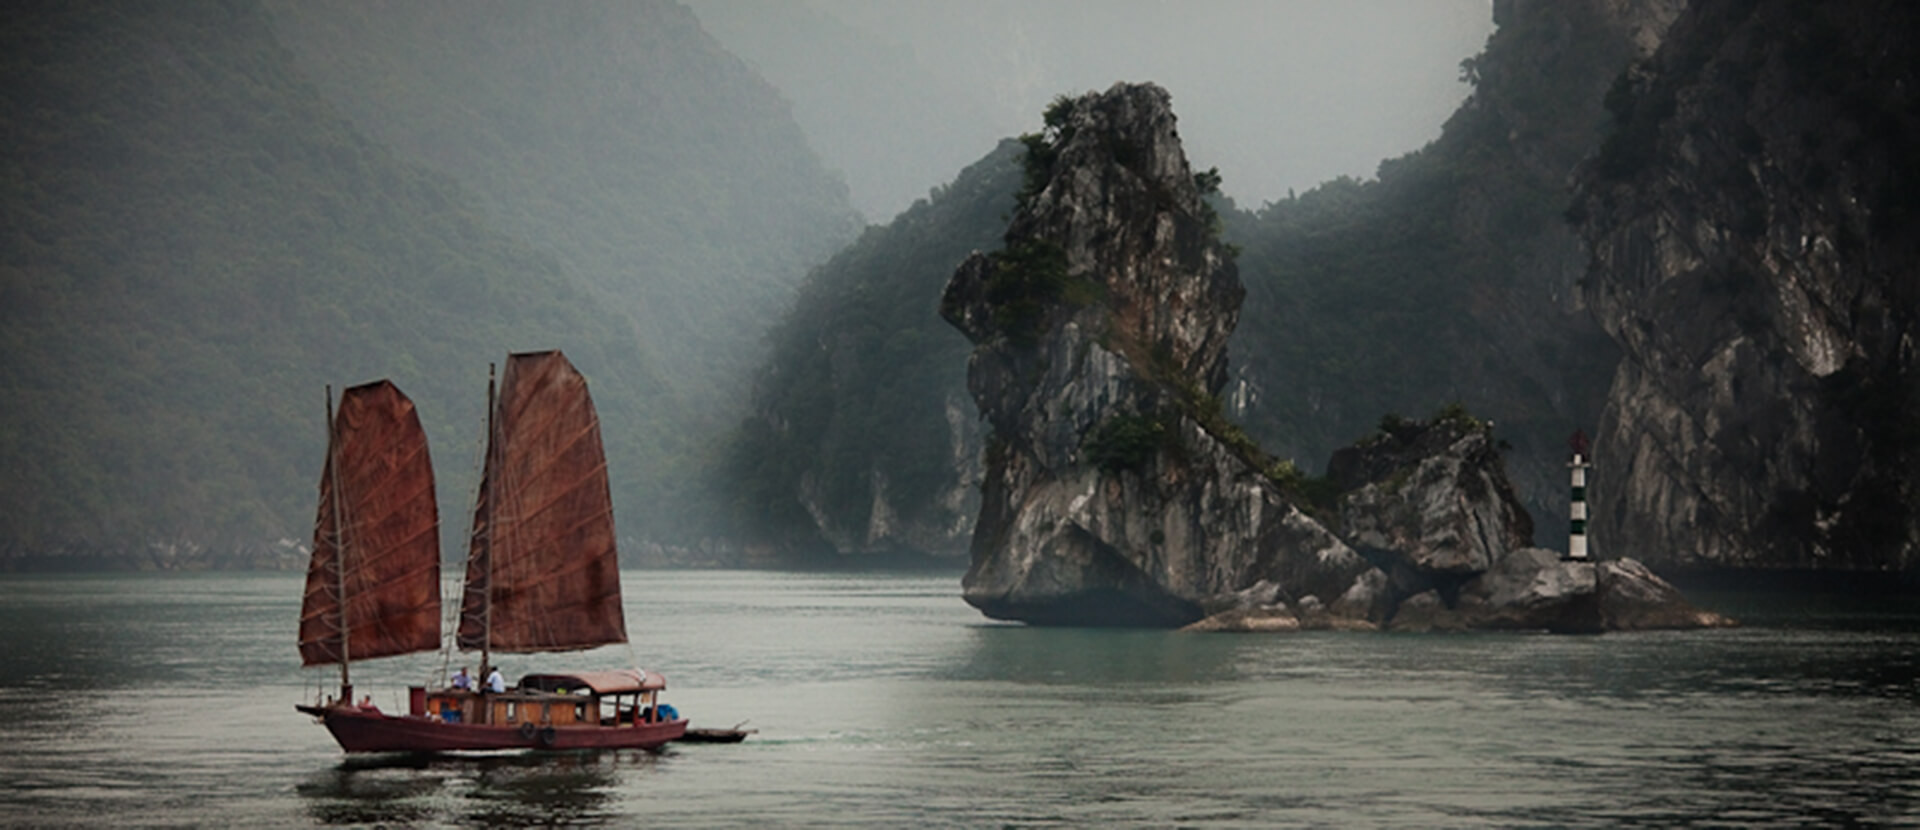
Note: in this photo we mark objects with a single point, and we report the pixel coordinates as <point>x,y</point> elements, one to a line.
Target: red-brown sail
<point>376,542</point>
<point>542,573</point>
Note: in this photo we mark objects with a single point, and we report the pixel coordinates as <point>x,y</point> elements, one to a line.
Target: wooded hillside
<point>195,241</point>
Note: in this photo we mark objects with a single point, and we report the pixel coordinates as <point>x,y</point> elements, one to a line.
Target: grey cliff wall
<point>1753,225</point>
<point>1429,503</point>
<point>1542,365</point>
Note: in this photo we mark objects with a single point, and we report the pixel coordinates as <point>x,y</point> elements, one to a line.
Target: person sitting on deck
<point>495,682</point>
<point>462,681</point>
<point>367,704</point>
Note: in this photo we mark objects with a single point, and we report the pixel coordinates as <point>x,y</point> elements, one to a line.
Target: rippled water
<point>883,700</point>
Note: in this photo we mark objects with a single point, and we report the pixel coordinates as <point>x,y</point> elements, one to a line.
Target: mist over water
<point>883,700</point>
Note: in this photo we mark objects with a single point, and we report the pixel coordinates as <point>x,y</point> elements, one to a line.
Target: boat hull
<point>715,736</point>
<point>358,730</point>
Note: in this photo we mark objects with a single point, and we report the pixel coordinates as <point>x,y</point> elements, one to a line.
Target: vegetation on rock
<point>1030,277</point>
<point>1127,442</point>
<point>1451,275</point>
<point>861,379</point>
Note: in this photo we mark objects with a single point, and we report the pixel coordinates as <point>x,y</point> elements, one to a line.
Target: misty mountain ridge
<point>1451,276</point>
<point>199,240</point>
<point>897,95</point>
<point>861,437</point>
<point>656,167</point>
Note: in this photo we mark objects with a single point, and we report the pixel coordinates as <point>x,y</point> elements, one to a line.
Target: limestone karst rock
<point>1430,501</point>
<point>1100,339</point>
<point>1752,223</point>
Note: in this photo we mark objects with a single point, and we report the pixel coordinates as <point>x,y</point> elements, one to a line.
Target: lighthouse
<point>1577,537</point>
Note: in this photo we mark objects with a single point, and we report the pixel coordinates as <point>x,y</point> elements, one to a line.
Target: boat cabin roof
<point>612,682</point>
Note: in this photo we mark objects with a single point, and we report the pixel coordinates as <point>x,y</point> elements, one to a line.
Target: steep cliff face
<point>863,441</point>
<point>1752,224</point>
<point>1452,276</point>
<point>1429,503</point>
<point>1100,339</point>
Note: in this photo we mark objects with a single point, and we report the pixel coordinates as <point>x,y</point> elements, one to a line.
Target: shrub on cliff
<point>1126,442</point>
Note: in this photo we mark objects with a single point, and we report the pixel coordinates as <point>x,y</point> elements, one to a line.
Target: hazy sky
<point>900,94</point>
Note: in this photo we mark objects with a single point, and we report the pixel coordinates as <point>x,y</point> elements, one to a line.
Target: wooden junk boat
<point>542,573</point>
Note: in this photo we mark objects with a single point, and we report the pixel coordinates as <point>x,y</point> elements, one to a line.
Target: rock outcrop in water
<point>1429,503</point>
<point>1752,222</point>
<point>1100,339</point>
<point>1430,506</point>
<point>1115,493</point>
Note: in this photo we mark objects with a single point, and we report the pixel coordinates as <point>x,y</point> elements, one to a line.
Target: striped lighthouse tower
<point>1577,539</point>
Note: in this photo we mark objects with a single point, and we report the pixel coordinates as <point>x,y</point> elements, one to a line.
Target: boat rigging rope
<point>634,658</point>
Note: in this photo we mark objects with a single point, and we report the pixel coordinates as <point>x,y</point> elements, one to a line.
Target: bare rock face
<point>1535,590</point>
<point>1752,224</point>
<point>1262,619</point>
<point>1429,502</point>
<point>1100,340</point>
<point>1633,598</point>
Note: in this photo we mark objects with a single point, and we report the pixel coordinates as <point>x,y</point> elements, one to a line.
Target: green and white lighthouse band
<point>1577,537</point>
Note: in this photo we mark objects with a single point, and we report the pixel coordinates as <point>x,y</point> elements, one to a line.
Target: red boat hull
<point>359,730</point>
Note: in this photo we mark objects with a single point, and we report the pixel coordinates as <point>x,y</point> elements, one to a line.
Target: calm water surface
<point>883,700</point>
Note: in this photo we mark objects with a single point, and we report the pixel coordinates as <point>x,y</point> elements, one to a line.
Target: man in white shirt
<point>496,683</point>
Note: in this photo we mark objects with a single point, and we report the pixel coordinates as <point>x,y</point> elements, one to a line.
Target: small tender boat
<point>542,573</point>
<point>716,736</point>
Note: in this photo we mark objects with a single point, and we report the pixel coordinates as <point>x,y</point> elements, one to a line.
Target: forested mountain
<point>194,241</point>
<point>1451,277</point>
<point>655,167</point>
<point>862,437</point>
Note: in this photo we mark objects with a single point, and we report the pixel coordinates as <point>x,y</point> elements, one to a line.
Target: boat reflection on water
<point>510,789</point>
<point>355,795</point>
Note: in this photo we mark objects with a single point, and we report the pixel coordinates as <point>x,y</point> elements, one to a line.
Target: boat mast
<point>491,465</point>
<point>339,544</point>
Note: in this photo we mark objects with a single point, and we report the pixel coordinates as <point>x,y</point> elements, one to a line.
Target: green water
<point>883,700</point>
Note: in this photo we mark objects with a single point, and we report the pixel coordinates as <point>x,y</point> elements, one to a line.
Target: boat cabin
<point>597,698</point>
